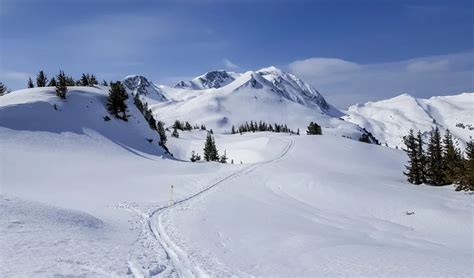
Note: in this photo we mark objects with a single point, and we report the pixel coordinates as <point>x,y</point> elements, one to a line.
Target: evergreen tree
<point>138,103</point>
<point>365,138</point>
<point>187,126</point>
<point>178,125</point>
<point>70,81</point>
<point>195,157</point>
<point>421,157</point>
<point>451,160</point>
<point>52,82</point>
<point>116,104</point>
<point>175,133</point>
<point>233,129</point>
<point>313,129</point>
<point>104,83</point>
<point>467,175</point>
<point>41,79</point>
<point>434,159</point>
<point>210,149</point>
<point>30,83</point>
<point>93,80</point>
<point>61,85</point>
<point>298,131</point>
<point>413,172</point>
<point>84,81</point>
<point>161,131</point>
<point>3,89</point>
<point>223,158</point>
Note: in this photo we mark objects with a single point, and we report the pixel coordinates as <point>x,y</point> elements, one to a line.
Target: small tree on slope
<point>61,85</point>
<point>413,172</point>
<point>30,83</point>
<point>210,149</point>
<point>434,159</point>
<point>41,79</point>
<point>313,129</point>
<point>116,104</point>
<point>467,177</point>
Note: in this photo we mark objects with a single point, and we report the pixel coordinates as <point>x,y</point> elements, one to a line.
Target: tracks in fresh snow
<point>183,264</point>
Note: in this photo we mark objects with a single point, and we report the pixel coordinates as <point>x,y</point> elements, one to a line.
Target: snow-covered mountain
<point>138,84</point>
<point>221,99</point>
<point>212,79</point>
<point>389,120</point>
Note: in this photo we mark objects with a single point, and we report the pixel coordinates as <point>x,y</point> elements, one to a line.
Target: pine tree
<point>365,138</point>
<point>161,131</point>
<point>93,80</point>
<point>434,159</point>
<point>116,104</point>
<point>313,129</point>
<point>175,133</point>
<point>30,83</point>
<point>104,83</point>
<point>84,81</point>
<point>178,125</point>
<point>41,79</point>
<point>3,89</point>
<point>195,157</point>
<point>210,149</point>
<point>187,126</point>
<point>52,82</point>
<point>412,173</point>
<point>421,157</point>
<point>467,175</point>
<point>233,129</point>
<point>223,158</point>
<point>451,160</point>
<point>61,85</point>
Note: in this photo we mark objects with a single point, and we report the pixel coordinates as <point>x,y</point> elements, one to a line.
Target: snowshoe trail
<point>183,265</point>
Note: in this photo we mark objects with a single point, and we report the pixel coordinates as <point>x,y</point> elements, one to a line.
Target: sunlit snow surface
<point>86,197</point>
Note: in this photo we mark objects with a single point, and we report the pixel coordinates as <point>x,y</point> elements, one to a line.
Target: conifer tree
<point>104,83</point>
<point>223,158</point>
<point>84,81</point>
<point>210,149</point>
<point>93,80</point>
<point>161,131</point>
<point>313,129</point>
<point>116,104</point>
<point>187,126</point>
<point>195,157</point>
<point>365,138</point>
<point>30,83</point>
<point>451,160</point>
<point>467,175</point>
<point>421,157</point>
<point>411,148</point>
<point>41,79</point>
<point>233,129</point>
<point>175,133</point>
<point>61,85</point>
<point>434,159</point>
<point>52,82</point>
<point>3,89</point>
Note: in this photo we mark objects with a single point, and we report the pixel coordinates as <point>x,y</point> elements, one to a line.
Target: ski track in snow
<point>183,265</point>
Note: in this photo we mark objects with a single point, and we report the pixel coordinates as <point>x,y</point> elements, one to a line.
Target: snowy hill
<point>220,99</point>
<point>389,120</point>
<point>38,111</point>
<point>213,79</point>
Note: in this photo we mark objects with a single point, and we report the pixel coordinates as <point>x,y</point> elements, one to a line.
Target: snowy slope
<point>389,120</point>
<point>322,208</point>
<point>39,110</point>
<point>268,94</point>
<point>213,79</point>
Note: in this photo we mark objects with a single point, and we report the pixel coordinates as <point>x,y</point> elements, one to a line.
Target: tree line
<point>440,162</point>
<point>260,126</point>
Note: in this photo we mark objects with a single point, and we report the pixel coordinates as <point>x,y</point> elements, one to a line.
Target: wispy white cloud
<point>344,82</point>
<point>229,64</point>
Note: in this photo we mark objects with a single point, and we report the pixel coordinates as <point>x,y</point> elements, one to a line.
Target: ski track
<point>183,265</point>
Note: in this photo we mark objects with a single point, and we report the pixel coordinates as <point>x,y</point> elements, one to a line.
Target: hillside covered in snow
<point>390,120</point>
<point>86,194</point>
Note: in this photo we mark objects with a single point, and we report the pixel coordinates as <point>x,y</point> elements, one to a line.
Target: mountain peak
<point>138,84</point>
<point>210,80</point>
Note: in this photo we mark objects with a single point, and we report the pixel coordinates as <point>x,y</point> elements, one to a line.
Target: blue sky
<point>352,51</point>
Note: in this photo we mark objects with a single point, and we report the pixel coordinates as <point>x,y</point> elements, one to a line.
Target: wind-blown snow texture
<point>82,196</point>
